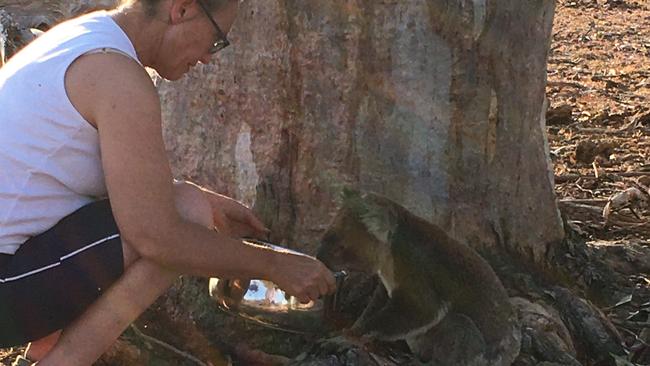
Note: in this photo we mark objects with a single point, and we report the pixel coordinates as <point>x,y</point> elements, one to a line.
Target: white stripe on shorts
<point>67,256</point>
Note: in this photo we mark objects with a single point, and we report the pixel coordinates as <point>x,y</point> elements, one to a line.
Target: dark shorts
<point>55,276</point>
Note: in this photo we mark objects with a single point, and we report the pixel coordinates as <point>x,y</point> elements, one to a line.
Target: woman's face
<point>190,37</point>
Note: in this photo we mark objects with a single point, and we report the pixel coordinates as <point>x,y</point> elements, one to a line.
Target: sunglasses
<point>221,42</point>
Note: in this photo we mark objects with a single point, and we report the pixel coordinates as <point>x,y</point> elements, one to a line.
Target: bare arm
<point>126,111</point>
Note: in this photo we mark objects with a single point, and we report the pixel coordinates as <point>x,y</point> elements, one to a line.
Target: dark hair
<point>150,6</point>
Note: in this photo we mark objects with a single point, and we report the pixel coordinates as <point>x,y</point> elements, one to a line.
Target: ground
<point>598,124</point>
<point>598,88</point>
<point>598,127</point>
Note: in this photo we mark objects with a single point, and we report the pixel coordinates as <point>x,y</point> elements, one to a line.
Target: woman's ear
<point>181,10</point>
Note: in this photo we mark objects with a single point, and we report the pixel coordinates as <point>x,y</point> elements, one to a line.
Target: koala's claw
<point>357,337</point>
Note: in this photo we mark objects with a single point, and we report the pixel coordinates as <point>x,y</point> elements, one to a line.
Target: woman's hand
<point>303,276</point>
<point>233,218</point>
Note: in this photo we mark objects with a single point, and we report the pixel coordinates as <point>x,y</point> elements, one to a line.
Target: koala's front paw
<point>336,345</point>
<point>353,331</point>
<point>358,336</point>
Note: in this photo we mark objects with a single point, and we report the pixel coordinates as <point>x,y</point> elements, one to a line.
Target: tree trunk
<point>437,105</point>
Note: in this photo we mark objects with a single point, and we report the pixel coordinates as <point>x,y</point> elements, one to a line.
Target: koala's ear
<point>380,219</point>
<point>351,199</point>
<point>348,194</point>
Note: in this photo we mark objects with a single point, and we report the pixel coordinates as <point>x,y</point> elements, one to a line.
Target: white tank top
<point>50,163</point>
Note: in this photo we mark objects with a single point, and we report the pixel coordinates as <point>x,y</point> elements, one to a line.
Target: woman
<point>81,120</point>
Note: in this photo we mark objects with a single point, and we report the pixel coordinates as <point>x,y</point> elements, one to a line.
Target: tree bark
<point>436,104</point>
<point>19,17</point>
<point>44,14</point>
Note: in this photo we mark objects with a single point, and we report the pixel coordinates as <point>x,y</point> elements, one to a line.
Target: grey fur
<point>440,295</point>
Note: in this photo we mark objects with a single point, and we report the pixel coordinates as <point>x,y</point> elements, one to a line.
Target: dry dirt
<point>598,125</point>
<point>599,117</point>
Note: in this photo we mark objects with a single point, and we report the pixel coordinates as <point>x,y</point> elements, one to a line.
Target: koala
<point>438,295</point>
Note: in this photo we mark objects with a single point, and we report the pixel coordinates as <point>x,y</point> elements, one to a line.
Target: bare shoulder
<point>116,94</point>
<point>99,82</point>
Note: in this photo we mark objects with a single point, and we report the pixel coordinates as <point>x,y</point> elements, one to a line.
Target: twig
<point>642,187</point>
<point>561,149</point>
<point>634,212</point>
<point>601,131</point>
<point>624,224</point>
<point>375,359</point>
<point>584,200</point>
<point>630,324</point>
<point>167,346</point>
<point>582,206</point>
<point>584,189</point>
<point>636,337</point>
<point>633,174</point>
<point>562,84</point>
<point>633,95</point>
<point>571,177</point>
<point>558,60</point>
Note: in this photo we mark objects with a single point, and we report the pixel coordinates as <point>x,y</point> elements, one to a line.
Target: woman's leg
<point>36,350</point>
<point>142,282</point>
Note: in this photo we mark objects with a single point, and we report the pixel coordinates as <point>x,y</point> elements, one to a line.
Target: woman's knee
<point>192,204</point>
<point>129,254</point>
